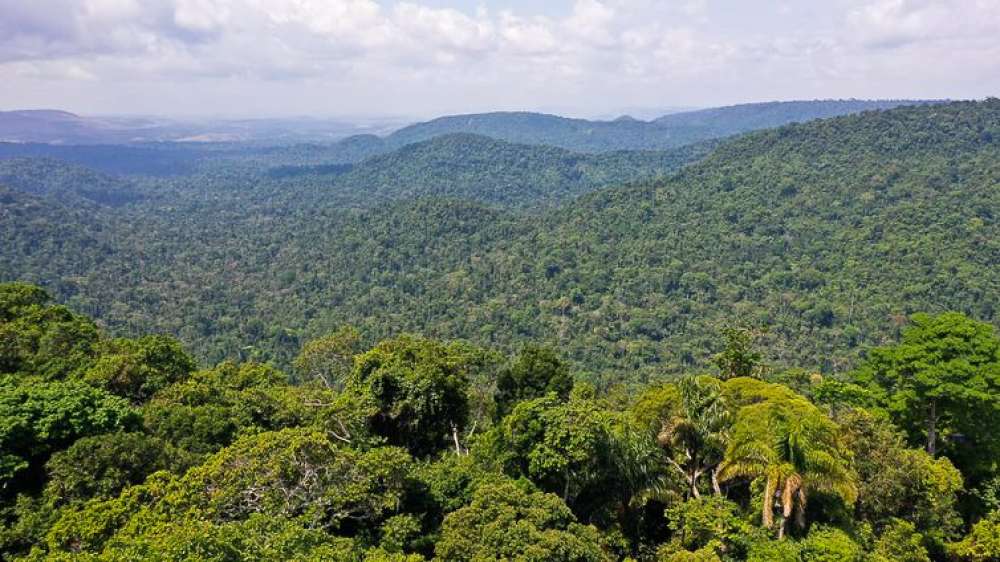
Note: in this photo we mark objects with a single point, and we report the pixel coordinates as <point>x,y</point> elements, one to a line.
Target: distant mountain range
<point>65,128</point>
<point>624,133</point>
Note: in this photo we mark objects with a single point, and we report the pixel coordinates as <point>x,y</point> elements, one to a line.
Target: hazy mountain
<point>64,128</point>
<point>628,133</point>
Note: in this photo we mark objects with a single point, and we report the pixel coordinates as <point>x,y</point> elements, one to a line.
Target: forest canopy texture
<point>416,449</point>
<point>471,346</point>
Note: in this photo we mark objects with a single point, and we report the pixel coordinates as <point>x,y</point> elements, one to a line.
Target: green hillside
<point>479,168</point>
<point>670,131</point>
<point>823,235</point>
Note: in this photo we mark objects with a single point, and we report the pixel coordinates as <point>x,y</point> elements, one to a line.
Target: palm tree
<point>694,435</point>
<point>795,450</point>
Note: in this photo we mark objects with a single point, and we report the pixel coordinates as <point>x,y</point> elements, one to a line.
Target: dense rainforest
<point>412,449</point>
<point>786,232</point>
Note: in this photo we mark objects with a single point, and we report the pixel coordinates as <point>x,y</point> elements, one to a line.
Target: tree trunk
<point>458,444</point>
<point>932,419</point>
<point>715,482</point>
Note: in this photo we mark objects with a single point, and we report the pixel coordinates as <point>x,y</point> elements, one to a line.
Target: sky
<point>341,58</point>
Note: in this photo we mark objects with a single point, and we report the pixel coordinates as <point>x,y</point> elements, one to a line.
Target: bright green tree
<point>506,522</point>
<point>694,433</point>
<point>39,339</point>
<point>900,542</point>
<point>38,418</point>
<point>982,544</point>
<point>793,450</point>
<point>941,380</point>
<point>739,358</point>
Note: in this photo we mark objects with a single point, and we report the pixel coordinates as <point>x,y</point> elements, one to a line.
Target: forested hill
<point>172,159</point>
<point>483,169</point>
<point>630,134</point>
<point>65,182</point>
<point>823,234</point>
<point>735,119</point>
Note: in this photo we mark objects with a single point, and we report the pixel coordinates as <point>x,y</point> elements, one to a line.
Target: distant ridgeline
<point>76,136</point>
<point>822,235</point>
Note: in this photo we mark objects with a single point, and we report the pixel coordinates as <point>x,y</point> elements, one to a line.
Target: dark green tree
<point>535,372</point>
<point>38,418</point>
<point>417,390</point>
<point>137,369</point>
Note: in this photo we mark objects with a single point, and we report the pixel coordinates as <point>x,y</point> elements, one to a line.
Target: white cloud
<point>896,23</point>
<point>204,16</point>
<point>365,53</point>
<point>444,28</point>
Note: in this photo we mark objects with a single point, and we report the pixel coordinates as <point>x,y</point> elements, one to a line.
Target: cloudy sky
<point>426,57</point>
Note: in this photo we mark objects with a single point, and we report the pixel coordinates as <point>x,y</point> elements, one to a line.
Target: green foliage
<point>896,482</point>
<point>708,523</point>
<point>701,555</point>
<point>258,538</point>
<point>16,296</point>
<point>566,448</point>
<point>451,481</point>
<point>536,372</point>
<point>764,550</point>
<point>38,418</point>
<point>506,522</point>
<point>791,448</point>
<point>417,389</point>
<point>900,542</point>
<point>41,339</point>
<point>788,230</point>
<point>300,474</point>
<point>211,408</point>
<point>482,169</point>
<point>981,544</point>
<point>739,358</point>
<point>670,130</point>
<point>329,359</point>
<point>137,369</point>
<point>826,544</point>
<point>118,449</point>
<point>695,433</point>
<point>942,381</point>
<point>103,465</point>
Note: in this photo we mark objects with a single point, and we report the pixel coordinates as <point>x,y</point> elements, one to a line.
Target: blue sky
<point>420,58</point>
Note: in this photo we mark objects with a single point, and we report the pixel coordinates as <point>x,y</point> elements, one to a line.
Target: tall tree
<point>329,359</point>
<point>417,390</point>
<point>794,450</point>
<point>942,380</point>
<point>695,432</point>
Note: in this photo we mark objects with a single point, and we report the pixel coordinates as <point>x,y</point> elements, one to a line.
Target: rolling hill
<point>670,131</point>
<point>823,234</point>
<point>479,168</point>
